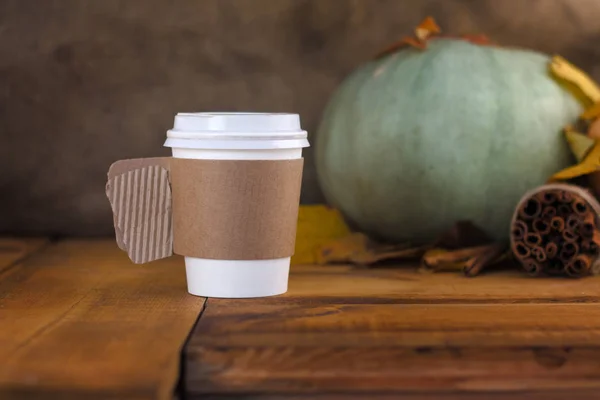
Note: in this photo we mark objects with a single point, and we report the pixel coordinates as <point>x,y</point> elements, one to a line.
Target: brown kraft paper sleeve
<point>140,196</point>
<point>235,209</point>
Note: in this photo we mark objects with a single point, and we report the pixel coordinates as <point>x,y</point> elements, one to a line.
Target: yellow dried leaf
<point>594,132</point>
<point>590,164</point>
<point>592,112</point>
<point>567,71</point>
<point>589,159</point>
<point>579,143</point>
<point>317,224</point>
<point>342,249</point>
<point>433,260</point>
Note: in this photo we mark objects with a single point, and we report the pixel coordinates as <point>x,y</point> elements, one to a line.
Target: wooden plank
<point>346,284</point>
<point>393,369</point>
<point>13,250</point>
<point>587,394</point>
<point>339,318</point>
<point>362,333</point>
<point>415,325</point>
<point>401,348</point>
<point>80,320</point>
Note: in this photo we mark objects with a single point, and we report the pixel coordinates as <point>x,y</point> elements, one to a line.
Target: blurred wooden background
<point>84,83</point>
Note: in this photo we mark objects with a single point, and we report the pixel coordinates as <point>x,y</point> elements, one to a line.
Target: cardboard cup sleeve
<point>215,209</point>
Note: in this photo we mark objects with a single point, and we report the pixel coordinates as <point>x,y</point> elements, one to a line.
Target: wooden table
<point>77,320</point>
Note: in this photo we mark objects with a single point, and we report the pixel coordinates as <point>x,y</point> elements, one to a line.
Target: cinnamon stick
<point>533,239</point>
<point>548,197</point>
<point>540,226</point>
<point>563,210</point>
<point>586,245</point>
<point>565,196</point>
<point>596,238</point>
<point>551,250</point>
<point>595,270</point>
<point>561,238</point>
<point>557,223</point>
<point>580,206</point>
<point>587,226</point>
<point>532,267</point>
<point>475,265</point>
<point>590,217</point>
<point>521,250</point>
<point>531,209</point>
<point>539,253</point>
<point>432,261</point>
<point>519,230</point>
<point>580,266</point>
<point>572,222</point>
<point>568,251</point>
<point>569,236</point>
<point>586,230</point>
<point>554,267</point>
<point>548,212</point>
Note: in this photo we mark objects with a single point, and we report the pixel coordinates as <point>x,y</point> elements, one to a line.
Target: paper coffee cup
<point>237,136</point>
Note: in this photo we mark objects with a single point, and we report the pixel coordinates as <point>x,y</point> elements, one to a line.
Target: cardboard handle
<point>140,196</point>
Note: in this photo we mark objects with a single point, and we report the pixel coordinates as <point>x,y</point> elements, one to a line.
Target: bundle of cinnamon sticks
<point>555,231</point>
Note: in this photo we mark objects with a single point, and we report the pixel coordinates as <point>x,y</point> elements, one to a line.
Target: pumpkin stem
<point>426,30</point>
<point>479,39</point>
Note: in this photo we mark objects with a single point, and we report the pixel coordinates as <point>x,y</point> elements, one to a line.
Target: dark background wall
<point>86,82</point>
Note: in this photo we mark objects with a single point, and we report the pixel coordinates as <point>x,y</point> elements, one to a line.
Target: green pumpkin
<point>420,139</point>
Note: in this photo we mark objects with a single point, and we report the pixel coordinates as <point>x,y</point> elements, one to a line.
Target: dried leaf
<point>561,68</point>
<point>433,260</point>
<point>587,154</point>
<point>478,263</point>
<point>579,143</point>
<point>594,131</point>
<point>446,260</point>
<point>357,248</point>
<point>592,112</point>
<point>317,225</point>
<point>370,257</point>
<point>341,250</point>
<point>590,163</point>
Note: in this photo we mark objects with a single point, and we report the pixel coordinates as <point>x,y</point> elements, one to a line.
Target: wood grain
<point>13,250</point>
<point>395,324</point>
<point>350,333</point>
<point>79,320</point>
<point>345,284</point>
<point>516,395</point>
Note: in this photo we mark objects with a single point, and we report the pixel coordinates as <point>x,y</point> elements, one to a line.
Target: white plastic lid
<point>223,130</point>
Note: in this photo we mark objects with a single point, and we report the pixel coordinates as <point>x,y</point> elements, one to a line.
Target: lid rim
<point>258,135</point>
<point>236,121</point>
<point>236,144</point>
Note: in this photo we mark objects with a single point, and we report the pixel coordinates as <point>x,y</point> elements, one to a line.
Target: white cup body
<point>256,137</point>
